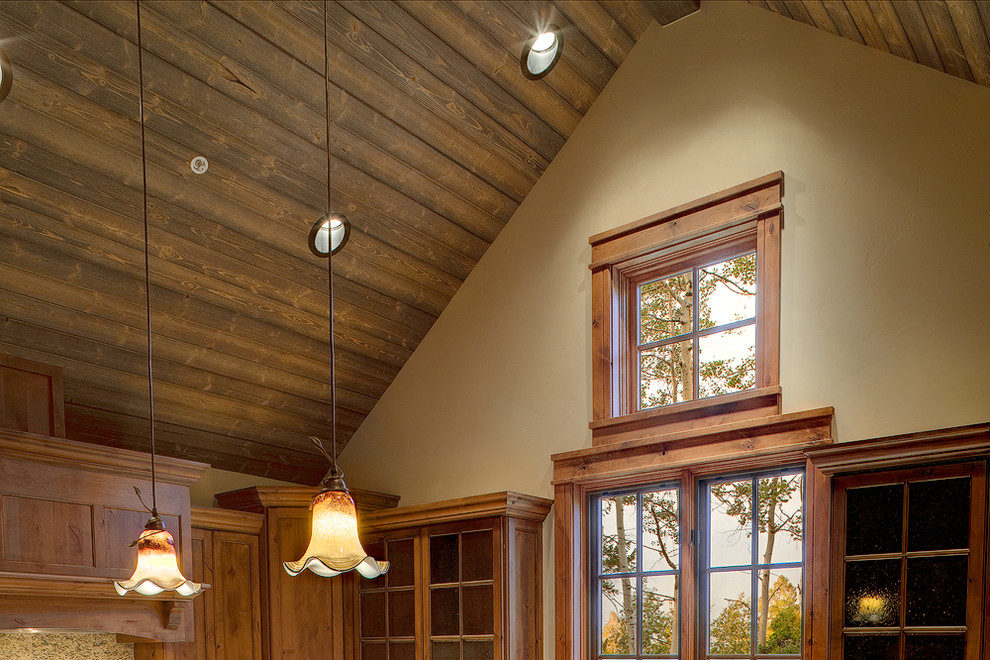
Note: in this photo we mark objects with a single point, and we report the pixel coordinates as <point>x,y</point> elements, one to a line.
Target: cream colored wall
<point>886,252</point>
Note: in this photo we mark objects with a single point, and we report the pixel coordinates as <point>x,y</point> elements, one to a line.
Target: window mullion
<point>754,579</point>
<point>695,327</point>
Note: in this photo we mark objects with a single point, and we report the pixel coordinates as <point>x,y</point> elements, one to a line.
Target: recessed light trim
<point>335,225</point>
<point>6,74</point>
<point>541,52</point>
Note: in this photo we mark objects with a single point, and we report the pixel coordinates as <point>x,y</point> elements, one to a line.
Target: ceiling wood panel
<point>946,35</point>
<point>436,140</point>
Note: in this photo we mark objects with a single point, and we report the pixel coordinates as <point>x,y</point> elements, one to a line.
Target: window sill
<point>686,416</point>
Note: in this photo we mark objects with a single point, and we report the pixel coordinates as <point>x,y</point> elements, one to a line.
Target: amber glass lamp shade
<point>157,570</point>
<point>334,546</point>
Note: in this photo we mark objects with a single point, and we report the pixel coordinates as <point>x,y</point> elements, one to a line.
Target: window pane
<point>926,647</point>
<point>730,526</point>
<point>444,560</point>
<point>445,612</point>
<point>729,613</point>
<point>401,563</point>
<point>870,647</point>
<point>618,616</point>
<point>660,599</point>
<point>938,514</point>
<point>780,594</point>
<point>666,375</point>
<point>936,591</point>
<point>660,531</point>
<point>479,613</point>
<point>618,540</point>
<point>373,614</point>
<point>477,551</point>
<point>479,650</point>
<point>445,650</point>
<point>401,651</point>
<point>873,593</point>
<point>727,291</point>
<point>781,519</point>
<point>727,361</point>
<point>373,651</point>
<point>874,519</point>
<point>401,613</point>
<point>665,308</point>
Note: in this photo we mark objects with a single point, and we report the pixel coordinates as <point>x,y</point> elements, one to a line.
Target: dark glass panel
<point>874,518</point>
<point>401,564</point>
<point>373,614</point>
<point>477,551</point>
<point>936,591</point>
<point>444,612</point>
<point>373,651</point>
<point>873,593</point>
<point>931,647</point>
<point>479,650</point>
<point>870,647</point>
<point>401,613</point>
<point>444,559</point>
<point>938,515</point>
<point>375,550</point>
<point>402,651</point>
<point>445,650</point>
<point>479,610</point>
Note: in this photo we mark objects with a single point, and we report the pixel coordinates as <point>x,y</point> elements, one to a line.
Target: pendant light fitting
<point>334,546</point>
<point>157,568</point>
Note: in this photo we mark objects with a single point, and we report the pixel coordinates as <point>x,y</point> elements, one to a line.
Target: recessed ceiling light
<point>541,52</point>
<point>334,227</point>
<point>6,74</point>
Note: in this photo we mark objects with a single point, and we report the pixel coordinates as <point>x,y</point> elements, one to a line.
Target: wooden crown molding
<point>20,445</point>
<point>258,498</point>
<point>226,520</point>
<point>505,503</point>
<point>911,449</point>
<point>704,450</point>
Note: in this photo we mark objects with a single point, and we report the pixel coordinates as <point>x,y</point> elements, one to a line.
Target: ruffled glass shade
<point>157,569</point>
<point>334,546</point>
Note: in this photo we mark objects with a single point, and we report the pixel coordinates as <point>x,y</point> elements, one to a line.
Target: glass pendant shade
<point>334,546</point>
<point>157,569</point>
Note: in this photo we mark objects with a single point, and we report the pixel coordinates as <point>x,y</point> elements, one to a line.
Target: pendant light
<point>157,569</point>
<point>334,546</point>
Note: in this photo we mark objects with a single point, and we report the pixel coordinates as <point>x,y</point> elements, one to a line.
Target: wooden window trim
<point>748,216</point>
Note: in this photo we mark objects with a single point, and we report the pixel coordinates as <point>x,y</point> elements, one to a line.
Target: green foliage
<point>730,631</point>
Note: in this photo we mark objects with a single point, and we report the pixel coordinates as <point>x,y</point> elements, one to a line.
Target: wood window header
<point>680,225</point>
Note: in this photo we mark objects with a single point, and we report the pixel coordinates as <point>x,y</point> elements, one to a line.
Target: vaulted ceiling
<point>436,139</point>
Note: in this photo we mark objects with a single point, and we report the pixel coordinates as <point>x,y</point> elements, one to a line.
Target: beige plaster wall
<point>213,481</point>
<point>886,251</point>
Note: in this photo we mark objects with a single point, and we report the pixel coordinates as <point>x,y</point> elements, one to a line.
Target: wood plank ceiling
<point>946,35</point>
<point>436,139</point>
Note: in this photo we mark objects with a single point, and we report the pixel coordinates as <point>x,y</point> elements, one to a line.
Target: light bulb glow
<point>544,42</point>
<point>334,546</point>
<point>157,569</point>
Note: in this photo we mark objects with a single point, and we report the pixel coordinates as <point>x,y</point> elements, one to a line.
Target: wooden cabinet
<point>226,554</point>
<point>465,581</point>
<point>304,617</point>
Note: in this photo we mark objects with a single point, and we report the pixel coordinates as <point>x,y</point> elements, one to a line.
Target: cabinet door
<point>388,620</point>
<point>201,609</point>
<point>236,596</point>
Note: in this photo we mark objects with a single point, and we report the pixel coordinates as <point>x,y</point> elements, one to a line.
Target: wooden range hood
<point>68,512</point>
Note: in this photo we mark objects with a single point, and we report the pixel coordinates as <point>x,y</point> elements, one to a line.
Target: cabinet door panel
<point>238,605</point>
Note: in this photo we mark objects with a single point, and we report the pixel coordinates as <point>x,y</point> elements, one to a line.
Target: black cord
<point>333,379</point>
<point>147,266</point>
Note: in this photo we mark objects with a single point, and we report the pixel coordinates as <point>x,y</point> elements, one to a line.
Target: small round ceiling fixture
<point>199,165</point>
<point>6,74</point>
<point>333,229</point>
<point>541,52</point>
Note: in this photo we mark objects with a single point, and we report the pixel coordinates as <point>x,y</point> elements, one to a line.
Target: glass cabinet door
<point>462,595</point>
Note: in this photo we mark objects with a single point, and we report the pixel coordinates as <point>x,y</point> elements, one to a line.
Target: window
<point>685,308</point>
<point>750,576</point>
<point>720,328</point>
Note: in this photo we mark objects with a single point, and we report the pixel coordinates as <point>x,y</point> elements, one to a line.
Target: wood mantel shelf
<point>505,503</point>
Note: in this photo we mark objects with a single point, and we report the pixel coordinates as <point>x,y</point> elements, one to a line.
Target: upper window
<point>685,306</point>
<point>697,332</point>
